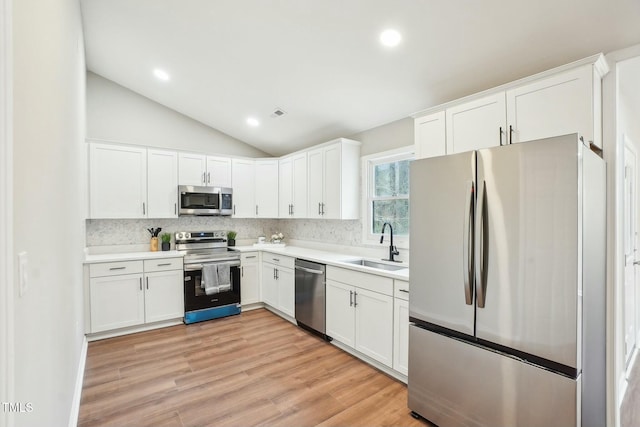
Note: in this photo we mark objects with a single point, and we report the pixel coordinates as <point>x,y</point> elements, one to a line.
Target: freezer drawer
<point>453,383</point>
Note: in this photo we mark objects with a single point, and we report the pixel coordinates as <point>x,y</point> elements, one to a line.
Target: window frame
<point>368,164</point>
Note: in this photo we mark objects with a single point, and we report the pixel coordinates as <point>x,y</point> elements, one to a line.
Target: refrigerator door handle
<point>481,245</point>
<point>467,244</point>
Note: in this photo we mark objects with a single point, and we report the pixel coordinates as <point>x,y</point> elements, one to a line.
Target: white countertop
<point>329,258</point>
<point>129,256</point>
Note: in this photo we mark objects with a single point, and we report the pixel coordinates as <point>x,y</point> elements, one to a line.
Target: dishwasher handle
<point>309,270</point>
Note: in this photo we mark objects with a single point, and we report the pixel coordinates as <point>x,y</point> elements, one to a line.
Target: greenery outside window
<point>387,194</point>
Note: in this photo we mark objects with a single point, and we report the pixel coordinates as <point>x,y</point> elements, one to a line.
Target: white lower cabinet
<point>249,278</point>
<point>278,283</point>
<point>131,293</point>
<point>401,326</point>
<point>361,316</point>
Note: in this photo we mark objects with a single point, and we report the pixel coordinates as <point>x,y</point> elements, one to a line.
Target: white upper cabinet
<point>293,186</point>
<point>430,135</point>
<point>244,183</point>
<point>117,181</point>
<point>333,172</point>
<point>557,105</point>
<point>565,100</point>
<point>219,171</point>
<point>201,170</point>
<point>266,184</point>
<point>162,183</point>
<point>476,124</point>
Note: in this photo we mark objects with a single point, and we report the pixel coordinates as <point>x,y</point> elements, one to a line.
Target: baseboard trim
<point>379,366</point>
<point>77,394</point>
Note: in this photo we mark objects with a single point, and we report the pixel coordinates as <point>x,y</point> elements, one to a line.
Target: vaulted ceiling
<point>320,61</point>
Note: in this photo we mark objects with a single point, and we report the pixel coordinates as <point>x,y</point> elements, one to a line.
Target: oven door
<point>198,200</point>
<point>195,297</point>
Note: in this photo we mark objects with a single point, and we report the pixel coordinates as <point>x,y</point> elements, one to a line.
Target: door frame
<point>613,150</point>
<point>633,222</point>
<point>6,209</point>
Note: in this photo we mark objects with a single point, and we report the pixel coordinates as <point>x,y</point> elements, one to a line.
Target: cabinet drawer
<point>401,289</point>
<point>115,268</point>
<point>248,257</point>
<point>163,264</point>
<point>283,261</point>
<point>372,282</point>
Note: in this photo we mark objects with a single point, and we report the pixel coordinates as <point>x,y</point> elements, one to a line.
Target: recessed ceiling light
<point>390,38</point>
<point>253,122</point>
<point>161,74</point>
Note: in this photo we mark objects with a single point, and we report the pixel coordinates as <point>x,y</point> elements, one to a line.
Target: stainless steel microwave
<point>209,201</point>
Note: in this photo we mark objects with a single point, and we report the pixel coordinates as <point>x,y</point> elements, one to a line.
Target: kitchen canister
<point>154,244</point>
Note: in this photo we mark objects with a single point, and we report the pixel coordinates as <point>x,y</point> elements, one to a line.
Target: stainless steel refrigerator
<point>507,303</point>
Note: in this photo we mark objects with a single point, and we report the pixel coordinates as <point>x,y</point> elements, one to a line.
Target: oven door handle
<point>196,267</point>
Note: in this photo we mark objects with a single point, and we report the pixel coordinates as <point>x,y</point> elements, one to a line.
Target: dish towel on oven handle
<point>209,281</point>
<point>224,276</point>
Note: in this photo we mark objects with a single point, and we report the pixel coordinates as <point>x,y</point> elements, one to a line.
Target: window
<point>386,183</point>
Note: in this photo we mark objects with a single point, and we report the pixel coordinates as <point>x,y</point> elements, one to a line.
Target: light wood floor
<point>251,369</point>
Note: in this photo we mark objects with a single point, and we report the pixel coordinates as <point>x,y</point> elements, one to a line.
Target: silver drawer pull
<point>403,290</point>
<point>276,259</point>
<point>164,264</point>
<point>252,256</point>
<point>117,268</point>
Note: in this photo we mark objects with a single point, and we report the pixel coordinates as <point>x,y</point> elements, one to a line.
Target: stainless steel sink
<point>375,264</point>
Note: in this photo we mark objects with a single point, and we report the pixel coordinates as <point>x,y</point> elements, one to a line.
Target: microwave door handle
<point>467,244</point>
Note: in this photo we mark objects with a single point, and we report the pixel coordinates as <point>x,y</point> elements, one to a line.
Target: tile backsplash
<point>106,232</point>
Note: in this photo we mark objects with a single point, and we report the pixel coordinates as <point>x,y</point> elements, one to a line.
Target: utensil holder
<point>154,244</point>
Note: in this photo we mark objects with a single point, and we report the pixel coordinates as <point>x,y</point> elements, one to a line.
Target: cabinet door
<point>192,169</point>
<point>331,209</point>
<point>243,178</point>
<point>401,336</point>
<point>286,291</point>
<point>116,302</point>
<point>219,171</point>
<point>266,183</point>
<point>374,325</point>
<point>476,124</point>
<point>299,186</point>
<point>162,184</point>
<point>249,279</point>
<point>285,187</point>
<point>117,181</point>
<point>315,184</point>
<point>553,106</point>
<point>164,295</point>
<point>269,285</point>
<point>430,140</point>
<point>340,313</point>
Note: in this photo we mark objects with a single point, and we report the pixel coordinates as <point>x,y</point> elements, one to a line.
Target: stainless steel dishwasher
<point>311,296</point>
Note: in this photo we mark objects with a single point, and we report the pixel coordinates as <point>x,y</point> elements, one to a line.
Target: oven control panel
<point>201,235</point>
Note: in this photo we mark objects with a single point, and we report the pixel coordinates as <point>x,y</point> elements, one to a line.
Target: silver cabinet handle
<point>141,283</point>
<point>636,263</point>
<point>208,177</point>
<point>467,245</point>
<point>276,259</point>
<point>242,271</point>
<point>175,208</point>
<point>251,256</point>
<point>404,290</point>
<point>500,135</point>
<point>350,298</point>
<point>164,264</point>
<point>144,209</point>
<point>204,177</point>
<point>116,268</point>
<point>510,134</point>
<point>319,212</point>
<point>355,298</point>
<point>256,210</point>
<point>292,212</point>
<point>234,209</point>
<point>322,208</point>
<point>481,244</point>
<point>147,283</point>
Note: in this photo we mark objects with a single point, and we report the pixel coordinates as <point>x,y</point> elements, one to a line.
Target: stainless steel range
<point>211,275</point>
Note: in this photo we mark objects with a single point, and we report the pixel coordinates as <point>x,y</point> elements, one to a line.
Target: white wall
<point>115,113</point>
<point>386,137</point>
<point>48,126</point>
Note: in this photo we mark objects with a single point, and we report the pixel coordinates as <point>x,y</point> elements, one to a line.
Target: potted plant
<point>166,241</point>
<point>231,238</point>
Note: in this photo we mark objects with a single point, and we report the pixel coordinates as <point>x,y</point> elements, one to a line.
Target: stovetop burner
<point>204,245</point>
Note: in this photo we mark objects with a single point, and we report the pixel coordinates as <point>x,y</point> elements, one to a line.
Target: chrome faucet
<point>392,249</point>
